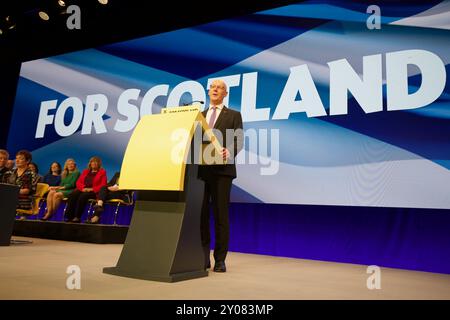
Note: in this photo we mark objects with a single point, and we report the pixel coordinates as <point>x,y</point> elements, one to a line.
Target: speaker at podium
<point>161,162</point>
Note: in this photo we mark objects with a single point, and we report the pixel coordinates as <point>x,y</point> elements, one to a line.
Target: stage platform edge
<point>80,232</point>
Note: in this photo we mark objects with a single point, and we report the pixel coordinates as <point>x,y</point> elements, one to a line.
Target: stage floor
<point>38,271</point>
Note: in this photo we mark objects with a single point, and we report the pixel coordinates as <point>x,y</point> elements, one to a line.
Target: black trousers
<point>76,202</point>
<point>217,195</point>
<point>104,195</point>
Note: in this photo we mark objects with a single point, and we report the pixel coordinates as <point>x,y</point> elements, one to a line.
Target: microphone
<point>189,103</point>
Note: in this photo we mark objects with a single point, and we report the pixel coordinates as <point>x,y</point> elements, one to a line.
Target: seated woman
<point>89,184</point>
<point>110,191</point>
<point>53,177</point>
<point>37,177</point>
<point>69,179</point>
<point>23,177</point>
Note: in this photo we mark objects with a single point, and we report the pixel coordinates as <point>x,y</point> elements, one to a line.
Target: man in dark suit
<point>218,177</point>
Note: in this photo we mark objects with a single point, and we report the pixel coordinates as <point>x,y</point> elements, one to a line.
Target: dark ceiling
<point>30,37</point>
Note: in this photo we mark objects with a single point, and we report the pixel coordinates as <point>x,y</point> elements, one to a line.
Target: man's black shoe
<point>220,266</point>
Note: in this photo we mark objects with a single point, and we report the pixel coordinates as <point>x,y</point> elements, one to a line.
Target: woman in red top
<point>88,185</point>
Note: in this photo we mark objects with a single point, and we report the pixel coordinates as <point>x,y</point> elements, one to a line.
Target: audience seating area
<point>116,212</point>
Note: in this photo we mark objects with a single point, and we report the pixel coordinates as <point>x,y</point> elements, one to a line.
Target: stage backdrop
<point>340,106</point>
<point>346,111</point>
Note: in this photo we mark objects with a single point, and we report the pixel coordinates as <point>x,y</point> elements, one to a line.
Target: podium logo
<point>212,148</point>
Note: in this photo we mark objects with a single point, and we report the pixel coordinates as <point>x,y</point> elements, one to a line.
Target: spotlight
<point>43,15</point>
<point>9,23</point>
<point>61,3</point>
<point>103,1</point>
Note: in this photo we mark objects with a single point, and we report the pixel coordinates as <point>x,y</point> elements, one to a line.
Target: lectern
<point>161,162</point>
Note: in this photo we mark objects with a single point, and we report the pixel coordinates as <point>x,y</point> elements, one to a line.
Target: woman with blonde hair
<point>89,184</point>
<point>69,178</point>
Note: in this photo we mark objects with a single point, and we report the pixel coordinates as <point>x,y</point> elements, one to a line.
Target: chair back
<point>41,190</point>
<point>118,202</point>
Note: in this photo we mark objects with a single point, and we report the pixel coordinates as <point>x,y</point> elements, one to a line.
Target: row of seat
<point>39,199</point>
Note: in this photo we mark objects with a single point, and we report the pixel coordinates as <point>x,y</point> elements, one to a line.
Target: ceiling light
<point>9,23</point>
<point>43,15</point>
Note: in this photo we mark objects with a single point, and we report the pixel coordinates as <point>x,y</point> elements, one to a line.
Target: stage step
<point>80,232</point>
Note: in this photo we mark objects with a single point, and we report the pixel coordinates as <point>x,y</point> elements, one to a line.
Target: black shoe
<point>75,220</point>
<point>94,220</point>
<point>220,266</point>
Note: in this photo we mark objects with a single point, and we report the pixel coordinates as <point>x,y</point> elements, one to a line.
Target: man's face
<point>3,160</point>
<point>10,164</point>
<point>217,91</point>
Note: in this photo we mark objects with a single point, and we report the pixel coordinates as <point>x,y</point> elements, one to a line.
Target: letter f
<point>45,118</point>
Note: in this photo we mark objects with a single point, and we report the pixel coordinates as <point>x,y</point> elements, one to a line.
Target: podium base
<point>116,271</point>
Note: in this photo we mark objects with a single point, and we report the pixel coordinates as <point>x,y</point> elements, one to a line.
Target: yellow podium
<point>161,162</point>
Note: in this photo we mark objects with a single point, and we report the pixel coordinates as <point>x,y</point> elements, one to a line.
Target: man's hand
<point>87,189</point>
<point>225,153</point>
